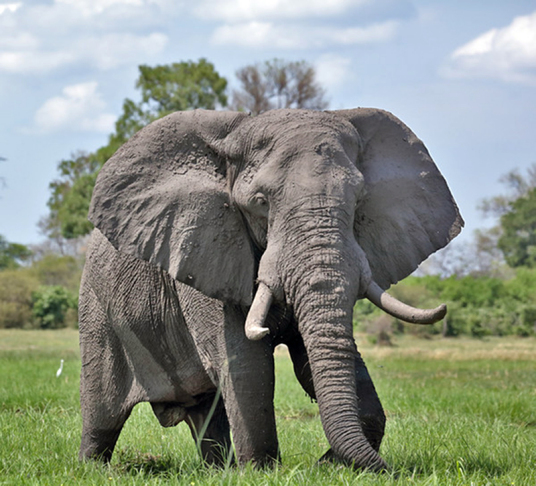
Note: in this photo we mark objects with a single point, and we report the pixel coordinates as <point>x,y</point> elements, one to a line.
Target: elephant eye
<point>259,199</point>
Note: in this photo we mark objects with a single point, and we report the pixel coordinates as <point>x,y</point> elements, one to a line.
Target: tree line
<point>489,283</point>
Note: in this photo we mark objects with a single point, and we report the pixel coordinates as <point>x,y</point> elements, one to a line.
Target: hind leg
<point>105,383</point>
<point>210,429</point>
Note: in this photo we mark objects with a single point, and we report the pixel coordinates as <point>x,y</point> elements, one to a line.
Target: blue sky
<point>461,74</point>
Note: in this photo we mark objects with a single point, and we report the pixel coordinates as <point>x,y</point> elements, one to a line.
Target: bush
<point>16,287</point>
<point>59,270</point>
<point>52,305</point>
<point>477,306</point>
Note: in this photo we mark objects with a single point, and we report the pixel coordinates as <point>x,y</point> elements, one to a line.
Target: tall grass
<point>459,412</point>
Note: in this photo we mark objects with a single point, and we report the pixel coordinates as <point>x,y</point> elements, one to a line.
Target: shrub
<point>58,270</point>
<point>16,287</point>
<point>51,306</point>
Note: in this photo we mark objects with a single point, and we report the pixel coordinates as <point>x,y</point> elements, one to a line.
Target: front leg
<point>247,381</point>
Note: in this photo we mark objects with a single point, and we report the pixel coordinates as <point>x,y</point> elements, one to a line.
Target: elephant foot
<point>332,457</point>
<point>261,462</point>
<point>98,445</point>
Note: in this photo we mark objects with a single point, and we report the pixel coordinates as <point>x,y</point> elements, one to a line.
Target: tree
<point>70,197</point>
<point>12,254</point>
<point>514,235</point>
<point>278,84</point>
<point>491,257</point>
<point>518,238</point>
<point>164,89</point>
<point>517,185</point>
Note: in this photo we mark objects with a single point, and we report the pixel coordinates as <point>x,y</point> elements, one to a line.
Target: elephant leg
<point>371,414</point>
<point>210,429</point>
<point>247,383</point>
<point>105,383</point>
<point>98,438</point>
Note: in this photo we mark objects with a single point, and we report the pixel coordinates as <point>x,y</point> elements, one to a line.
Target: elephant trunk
<point>322,271</point>
<point>323,306</point>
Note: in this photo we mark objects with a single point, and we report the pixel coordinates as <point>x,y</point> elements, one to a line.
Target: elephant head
<point>312,209</point>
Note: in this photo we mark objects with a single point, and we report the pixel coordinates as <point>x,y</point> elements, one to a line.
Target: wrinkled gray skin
<point>197,210</point>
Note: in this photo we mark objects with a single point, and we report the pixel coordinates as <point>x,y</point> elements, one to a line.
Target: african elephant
<point>218,236</point>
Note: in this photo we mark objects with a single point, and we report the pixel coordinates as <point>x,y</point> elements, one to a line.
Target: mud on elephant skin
<point>218,236</point>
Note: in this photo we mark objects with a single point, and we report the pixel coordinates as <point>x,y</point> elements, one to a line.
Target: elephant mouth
<point>256,330</point>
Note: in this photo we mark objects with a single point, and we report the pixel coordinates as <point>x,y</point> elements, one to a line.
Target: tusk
<point>403,311</point>
<point>255,329</point>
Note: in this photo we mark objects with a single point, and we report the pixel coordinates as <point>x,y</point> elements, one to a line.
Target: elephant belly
<point>166,374</point>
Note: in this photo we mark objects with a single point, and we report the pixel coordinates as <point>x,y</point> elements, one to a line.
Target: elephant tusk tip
<point>441,311</point>
<point>256,333</point>
<point>434,315</point>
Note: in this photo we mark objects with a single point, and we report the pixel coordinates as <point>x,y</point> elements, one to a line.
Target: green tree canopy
<point>518,238</point>
<point>70,196</point>
<point>165,89</point>
<point>12,254</point>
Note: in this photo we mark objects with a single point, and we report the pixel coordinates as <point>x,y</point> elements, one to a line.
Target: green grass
<point>460,412</point>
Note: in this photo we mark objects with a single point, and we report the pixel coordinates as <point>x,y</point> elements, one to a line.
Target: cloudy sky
<point>460,73</point>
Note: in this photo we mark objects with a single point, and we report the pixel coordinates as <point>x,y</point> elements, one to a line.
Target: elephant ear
<point>408,211</point>
<point>162,198</point>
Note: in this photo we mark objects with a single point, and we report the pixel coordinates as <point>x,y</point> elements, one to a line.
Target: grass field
<point>460,412</point>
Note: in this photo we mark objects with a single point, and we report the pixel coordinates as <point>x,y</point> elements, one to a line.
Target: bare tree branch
<point>278,84</point>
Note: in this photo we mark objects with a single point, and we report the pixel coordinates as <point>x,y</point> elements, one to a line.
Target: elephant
<point>219,235</point>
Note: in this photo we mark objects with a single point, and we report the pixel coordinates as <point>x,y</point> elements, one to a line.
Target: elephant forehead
<point>292,132</point>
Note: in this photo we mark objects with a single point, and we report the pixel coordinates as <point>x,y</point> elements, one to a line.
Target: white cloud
<point>9,7</point>
<point>508,53</point>
<point>79,108</point>
<point>267,34</point>
<point>248,10</point>
<point>101,34</point>
<point>332,70</point>
<point>113,50</point>
<point>20,40</point>
<point>94,7</point>
<point>26,55</point>
<point>130,8</point>
<point>33,61</point>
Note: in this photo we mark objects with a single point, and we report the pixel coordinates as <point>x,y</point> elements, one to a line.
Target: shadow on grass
<point>138,463</point>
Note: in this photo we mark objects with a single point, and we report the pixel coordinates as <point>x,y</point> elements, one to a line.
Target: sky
<point>460,73</point>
